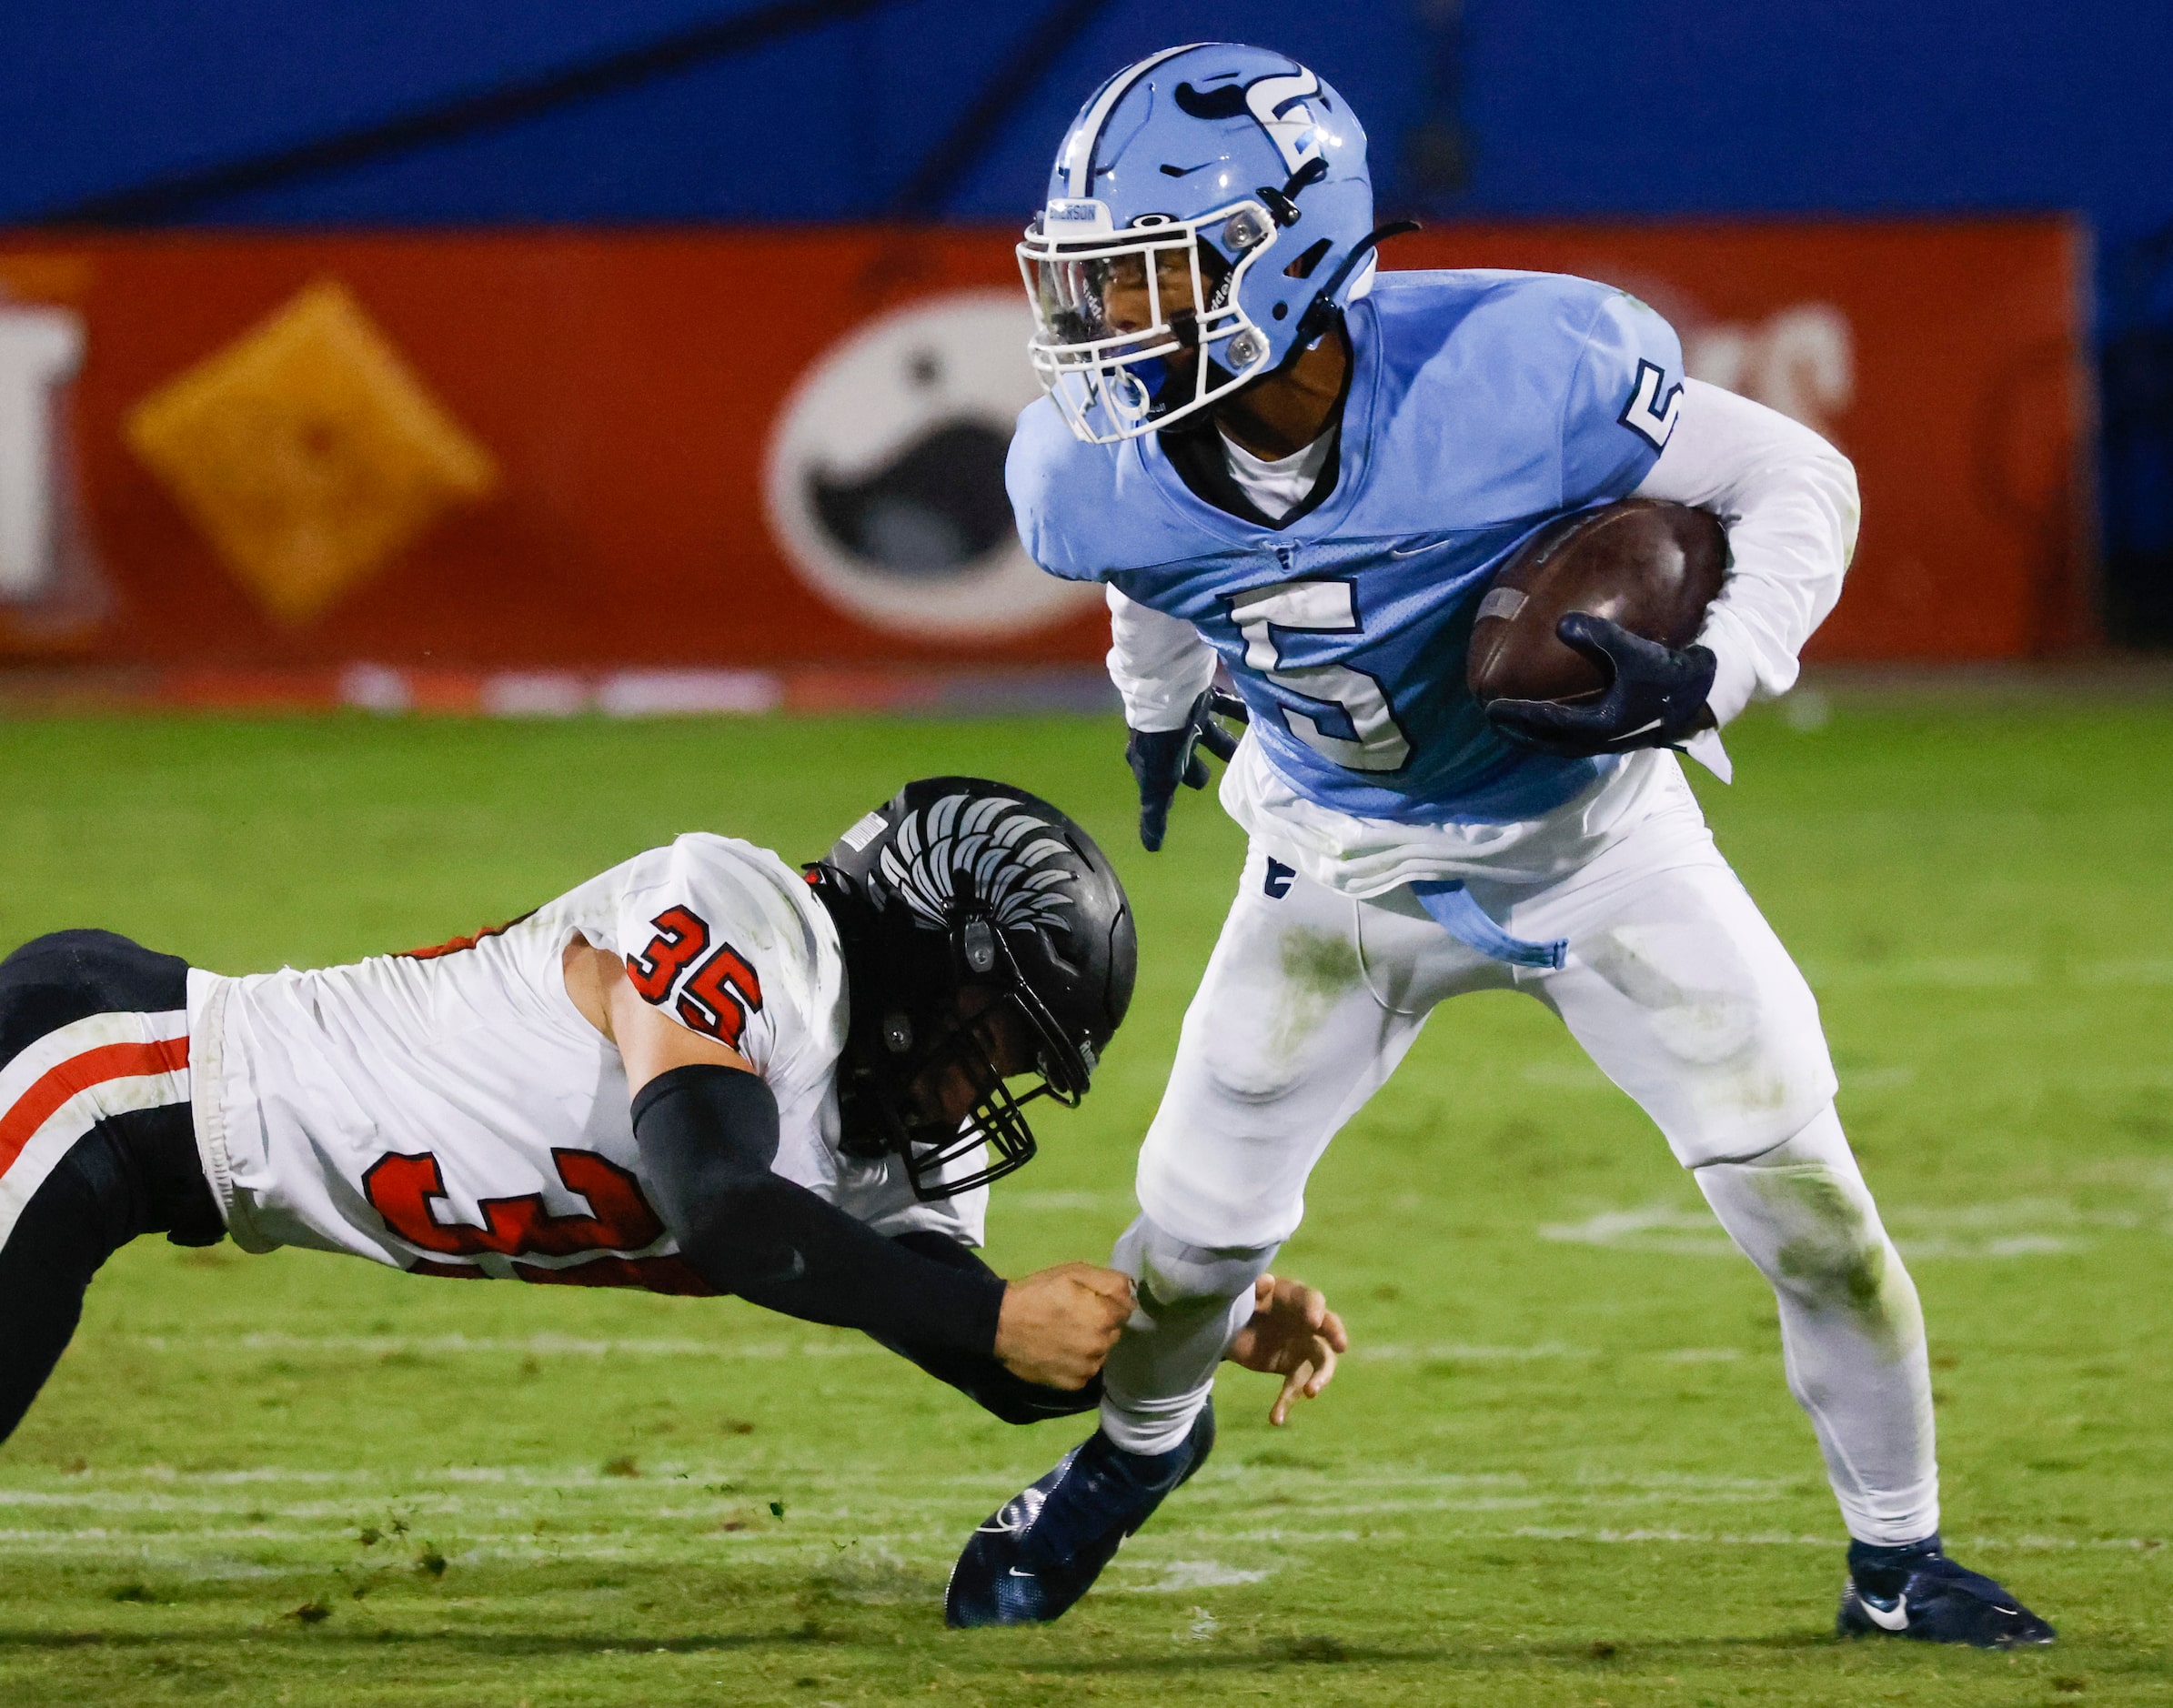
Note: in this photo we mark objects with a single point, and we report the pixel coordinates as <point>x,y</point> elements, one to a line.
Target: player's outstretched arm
<point>708,1129</point>
<point>1293,1335</point>
<point>1059,1325</point>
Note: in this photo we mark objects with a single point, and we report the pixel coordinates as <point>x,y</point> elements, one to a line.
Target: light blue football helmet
<point>1209,211</point>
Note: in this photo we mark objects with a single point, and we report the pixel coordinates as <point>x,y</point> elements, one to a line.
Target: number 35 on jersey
<point>717,997</point>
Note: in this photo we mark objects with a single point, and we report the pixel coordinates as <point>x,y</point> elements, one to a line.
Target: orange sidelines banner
<point>769,450</point>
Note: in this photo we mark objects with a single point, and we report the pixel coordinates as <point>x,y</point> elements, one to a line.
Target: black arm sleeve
<point>982,1377</point>
<point>708,1136</point>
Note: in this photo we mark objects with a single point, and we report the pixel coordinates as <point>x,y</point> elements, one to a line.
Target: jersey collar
<point>1353,433</point>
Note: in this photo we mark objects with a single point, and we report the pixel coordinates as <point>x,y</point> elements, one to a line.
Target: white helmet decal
<point>996,843</point>
<point>1294,135</point>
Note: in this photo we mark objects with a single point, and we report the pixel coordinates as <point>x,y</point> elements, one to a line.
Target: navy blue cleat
<point>1041,1549</point>
<point>1917,1591</point>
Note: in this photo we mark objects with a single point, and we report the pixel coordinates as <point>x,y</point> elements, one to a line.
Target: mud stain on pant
<point>1318,969</point>
<point>1833,1259</point>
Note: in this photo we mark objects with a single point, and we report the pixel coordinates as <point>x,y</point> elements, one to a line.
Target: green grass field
<point>1561,1468</point>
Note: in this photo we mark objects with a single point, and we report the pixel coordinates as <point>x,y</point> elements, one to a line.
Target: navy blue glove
<point>1162,759</point>
<point>1656,696</point>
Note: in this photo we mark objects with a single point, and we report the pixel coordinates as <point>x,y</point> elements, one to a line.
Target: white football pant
<point>1681,993</point>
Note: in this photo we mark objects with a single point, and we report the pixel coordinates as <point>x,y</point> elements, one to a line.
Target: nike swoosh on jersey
<point>1397,552</point>
<point>1017,1573</point>
<point>1895,1619</point>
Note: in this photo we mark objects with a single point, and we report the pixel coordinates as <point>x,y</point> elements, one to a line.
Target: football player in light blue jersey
<point>1475,406</point>
<point>1280,462</point>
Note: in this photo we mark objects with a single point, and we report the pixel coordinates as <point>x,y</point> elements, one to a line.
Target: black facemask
<point>988,950</point>
<point>879,1101</point>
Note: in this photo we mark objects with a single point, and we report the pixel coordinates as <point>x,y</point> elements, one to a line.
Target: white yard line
<point>237,1523</point>
<point>1053,1203</point>
<point>1180,1575</point>
<point>1976,972</point>
<point>1963,1544</point>
<point>211,1553</point>
<point>532,1346</point>
<point>2022,1228</point>
<point>1471,1354</point>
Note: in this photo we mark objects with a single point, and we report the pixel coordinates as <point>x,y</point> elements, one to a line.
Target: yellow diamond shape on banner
<point>308,453</point>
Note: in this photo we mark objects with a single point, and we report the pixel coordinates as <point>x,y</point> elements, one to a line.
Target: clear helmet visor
<point>1111,297</point>
<point>1125,325</point>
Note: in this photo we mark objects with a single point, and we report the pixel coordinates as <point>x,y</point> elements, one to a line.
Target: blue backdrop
<point>1567,107</point>
<point>547,111</point>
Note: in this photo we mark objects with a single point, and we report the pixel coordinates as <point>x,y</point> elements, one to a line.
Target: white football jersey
<point>450,1111</point>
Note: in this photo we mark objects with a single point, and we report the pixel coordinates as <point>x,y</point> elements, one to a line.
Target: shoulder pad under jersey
<point>1531,360</point>
<point>722,936</point>
<point>1084,511</point>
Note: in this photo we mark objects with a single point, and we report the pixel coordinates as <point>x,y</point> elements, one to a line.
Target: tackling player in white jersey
<point>1282,464</point>
<point>700,1072</point>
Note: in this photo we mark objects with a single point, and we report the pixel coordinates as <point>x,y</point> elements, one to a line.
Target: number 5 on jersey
<point>722,992</point>
<point>1321,607</point>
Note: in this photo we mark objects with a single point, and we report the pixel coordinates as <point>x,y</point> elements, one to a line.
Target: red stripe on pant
<point>51,1089</point>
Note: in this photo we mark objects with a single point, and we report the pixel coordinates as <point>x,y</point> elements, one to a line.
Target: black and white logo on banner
<point>885,481</point>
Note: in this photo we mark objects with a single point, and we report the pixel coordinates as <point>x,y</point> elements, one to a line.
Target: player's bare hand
<point>1292,1335</point>
<point>1058,1324</point>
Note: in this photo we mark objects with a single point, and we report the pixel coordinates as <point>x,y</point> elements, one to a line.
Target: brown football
<point>1651,567</point>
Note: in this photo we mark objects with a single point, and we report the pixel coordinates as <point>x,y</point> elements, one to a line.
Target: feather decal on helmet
<point>995,848</point>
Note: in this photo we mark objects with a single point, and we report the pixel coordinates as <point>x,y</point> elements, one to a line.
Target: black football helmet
<point>961,885</point>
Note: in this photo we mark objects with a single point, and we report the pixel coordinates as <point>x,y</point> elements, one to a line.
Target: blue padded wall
<point>1569,107</point>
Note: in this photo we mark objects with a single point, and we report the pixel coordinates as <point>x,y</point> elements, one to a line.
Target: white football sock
<point>1851,1335</point>
<point>1191,1303</point>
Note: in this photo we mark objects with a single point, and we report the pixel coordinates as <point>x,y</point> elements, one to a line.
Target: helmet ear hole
<point>1314,252</point>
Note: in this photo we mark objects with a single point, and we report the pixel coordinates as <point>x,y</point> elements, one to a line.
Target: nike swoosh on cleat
<point>1185,172</point>
<point>1639,730</point>
<point>1897,1620</point>
<point>1017,1573</point>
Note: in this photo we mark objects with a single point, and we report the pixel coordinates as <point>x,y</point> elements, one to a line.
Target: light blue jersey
<point>1482,404</point>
